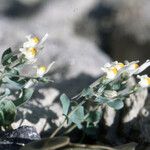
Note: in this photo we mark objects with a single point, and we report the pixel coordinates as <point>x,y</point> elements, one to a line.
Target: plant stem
<point>90,146</point>
<point>62,124</point>
<point>70,129</point>
<point>58,129</point>
<point>22,76</point>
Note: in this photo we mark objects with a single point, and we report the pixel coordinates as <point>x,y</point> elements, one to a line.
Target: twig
<point>90,146</point>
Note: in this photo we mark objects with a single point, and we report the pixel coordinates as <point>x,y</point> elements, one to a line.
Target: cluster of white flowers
<point>31,49</point>
<point>115,69</point>
<point>112,69</point>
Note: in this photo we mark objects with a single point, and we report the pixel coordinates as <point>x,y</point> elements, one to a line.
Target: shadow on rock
<point>19,9</point>
<point>105,24</point>
<point>98,24</point>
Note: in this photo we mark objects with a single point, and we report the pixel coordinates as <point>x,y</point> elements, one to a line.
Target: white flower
<point>42,70</point>
<point>111,72</point>
<point>32,47</point>
<point>119,65</point>
<point>30,53</point>
<point>143,67</point>
<point>144,81</point>
<point>34,41</point>
<point>112,69</point>
<point>116,69</point>
<point>134,68</point>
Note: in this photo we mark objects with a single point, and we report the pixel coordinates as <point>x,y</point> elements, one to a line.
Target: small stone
<point>22,135</point>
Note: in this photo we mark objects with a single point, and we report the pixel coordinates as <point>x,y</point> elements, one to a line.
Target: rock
<point>120,27</point>
<point>5,145</point>
<point>78,60</point>
<point>23,134</point>
<point>123,125</point>
<point>15,139</point>
<point>129,146</point>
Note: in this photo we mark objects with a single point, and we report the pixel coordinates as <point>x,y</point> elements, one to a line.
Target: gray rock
<point>6,145</point>
<point>125,124</point>
<point>24,134</point>
<point>15,139</point>
<point>120,27</point>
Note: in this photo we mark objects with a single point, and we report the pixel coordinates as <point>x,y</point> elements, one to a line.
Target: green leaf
<point>94,117</point>
<point>87,93</point>
<point>78,116</point>
<point>11,71</point>
<point>12,74</point>
<point>1,118</point>
<point>26,94</point>
<point>13,58</point>
<point>5,93</point>
<point>101,100</point>
<point>101,89</point>
<point>117,104</point>
<point>11,83</point>
<point>115,86</point>
<point>7,112</point>
<point>6,56</point>
<point>65,101</point>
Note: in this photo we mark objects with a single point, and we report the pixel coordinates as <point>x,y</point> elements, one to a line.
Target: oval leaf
<point>78,116</point>
<point>6,56</point>
<point>101,100</point>
<point>7,112</point>
<point>65,101</point>
<point>117,104</point>
<point>26,94</point>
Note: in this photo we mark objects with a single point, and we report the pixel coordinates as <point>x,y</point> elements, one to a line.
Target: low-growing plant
<point>18,87</point>
<point>85,110</point>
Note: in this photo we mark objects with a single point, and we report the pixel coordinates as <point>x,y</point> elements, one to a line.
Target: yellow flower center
<point>148,80</point>
<point>32,51</point>
<point>114,70</point>
<point>119,66</point>
<point>43,69</point>
<point>135,66</point>
<point>35,40</point>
